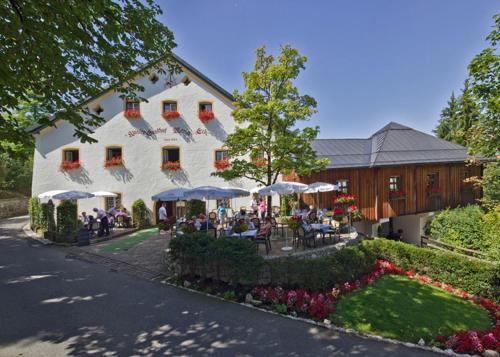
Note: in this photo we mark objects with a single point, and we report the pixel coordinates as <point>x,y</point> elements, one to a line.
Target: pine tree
<point>449,116</point>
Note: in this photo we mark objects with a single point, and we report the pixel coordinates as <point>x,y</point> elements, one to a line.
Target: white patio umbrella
<point>104,194</point>
<point>318,187</point>
<point>49,194</point>
<point>208,193</point>
<point>283,188</point>
<point>237,192</point>
<point>171,195</point>
<point>72,195</point>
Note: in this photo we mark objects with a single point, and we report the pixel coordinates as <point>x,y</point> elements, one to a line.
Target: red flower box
<point>397,194</point>
<point>206,115</point>
<point>221,164</point>
<point>345,199</point>
<point>171,166</point>
<point>433,191</point>
<point>171,115</point>
<point>115,161</point>
<point>70,165</point>
<point>132,114</point>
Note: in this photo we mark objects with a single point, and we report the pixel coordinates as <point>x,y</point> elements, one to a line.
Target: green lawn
<point>130,241</point>
<point>404,309</point>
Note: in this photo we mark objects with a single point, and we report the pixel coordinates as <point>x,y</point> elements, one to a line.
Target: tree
<point>449,115</point>
<point>484,74</point>
<point>64,52</point>
<point>267,112</point>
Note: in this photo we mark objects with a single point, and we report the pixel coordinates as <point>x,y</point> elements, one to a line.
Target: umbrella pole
<point>286,248</point>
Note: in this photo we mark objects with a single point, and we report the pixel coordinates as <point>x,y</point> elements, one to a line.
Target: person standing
<point>221,213</point>
<point>262,208</point>
<point>254,205</point>
<point>162,212</point>
<point>104,225</point>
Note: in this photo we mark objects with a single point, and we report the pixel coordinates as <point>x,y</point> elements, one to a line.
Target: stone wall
<point>13,207</point>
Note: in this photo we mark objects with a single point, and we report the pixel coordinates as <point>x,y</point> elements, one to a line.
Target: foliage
<point>491,229</point>
<point>484,74</point>
<point>280,308</point>
<point>58,53</point>
<point>472,342</point>
<point>268,110</point>
<point>201,254</point>
<point>460,226</point>
<point>240,226</point>
<point>428,311</point>
<point>140,214</point>
<point>67,222</point>
<point>287,203</point>
<point>448,120</point>
<point>16,172</point>
<point>188,227</point>
<point>476,277</point>
<point>229,295</point>
<point>490,184</point>
<point>34,213</point>
<point>194,208</point>
<point>46,221</point>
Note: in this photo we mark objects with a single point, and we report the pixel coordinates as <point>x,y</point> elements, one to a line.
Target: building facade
<point>175,139</point>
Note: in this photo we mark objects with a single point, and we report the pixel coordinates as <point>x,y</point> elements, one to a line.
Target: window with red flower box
<point>221,161</point>
<point>70,159</point>
<point>132,109</point>
<point>114,156</point>
<point>205,112</point>
<point>432,189</point>
<point>169,110</point>
<point>343,185</point>
<point>171,159</point>
<point>395,191</point>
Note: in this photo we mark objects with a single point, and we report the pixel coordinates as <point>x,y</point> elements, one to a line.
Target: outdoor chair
<point>256,222</point>
<point>306,238</point>
<point>274,225</point>
<point>264,239</point>
<point>94,228</point>
<point>119,221</point>
<point>312,217</point>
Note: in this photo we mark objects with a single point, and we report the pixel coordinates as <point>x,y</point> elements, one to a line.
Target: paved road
<point>54,306</point>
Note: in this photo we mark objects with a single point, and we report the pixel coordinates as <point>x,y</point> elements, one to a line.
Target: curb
<point>332,327</point>
<point>34,236</point>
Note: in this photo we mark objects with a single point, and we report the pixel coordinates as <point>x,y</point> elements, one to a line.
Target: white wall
<point>141,141</point>
<point>412,225</point>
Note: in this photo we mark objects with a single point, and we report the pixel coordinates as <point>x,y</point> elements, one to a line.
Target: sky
<point>369,61</point>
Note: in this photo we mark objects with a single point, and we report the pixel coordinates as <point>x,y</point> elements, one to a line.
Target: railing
<point>436,244</point>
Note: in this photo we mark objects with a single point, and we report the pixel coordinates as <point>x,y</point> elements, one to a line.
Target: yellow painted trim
<point>171,147</point>
<point>70,149</point>
<point>112,147</point>
<point>170,101</point>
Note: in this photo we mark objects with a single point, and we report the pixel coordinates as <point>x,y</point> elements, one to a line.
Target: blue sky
<point>369,61</point>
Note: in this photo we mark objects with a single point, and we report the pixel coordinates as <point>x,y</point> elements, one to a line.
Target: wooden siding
<point>371,186</point>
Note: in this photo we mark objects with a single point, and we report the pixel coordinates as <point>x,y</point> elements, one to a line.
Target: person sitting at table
<point>241,214</point>
<point>266,227</point>
<point>84,219</point>
<point>204,222</point>
<point>112,211</point>
<point>104,226</point>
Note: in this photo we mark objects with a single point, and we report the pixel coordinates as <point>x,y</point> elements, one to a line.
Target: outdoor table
<point>251,233</point>
<point>321,228</point>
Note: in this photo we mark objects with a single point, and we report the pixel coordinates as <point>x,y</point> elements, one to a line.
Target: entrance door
<point>170,206</point>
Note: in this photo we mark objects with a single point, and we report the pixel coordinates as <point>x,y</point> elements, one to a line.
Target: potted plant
<point>294,222</point>
<point>206,115</point>
<point>240,227</point>
<point>188,227</point>
<point>338,214</point>
<point>114,161</point>
<point>70,165</point>
<point>132,113</point>
<point>345,199</point>
<point>171,115</point>
<point>221,164</point>
<point>171,166</point>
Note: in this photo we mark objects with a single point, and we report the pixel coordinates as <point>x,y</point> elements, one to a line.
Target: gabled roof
<point>394,144</point>
<point>35,128</point>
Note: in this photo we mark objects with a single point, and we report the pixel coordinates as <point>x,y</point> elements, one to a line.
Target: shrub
<point>491,229</point>
<point>460,226</point>
<point>140,214</point>
<point>67,222</point>
<point>34,213</point>
<point>200,254</point>
<point>323,273</point>
<point>194,208</point>
<point>46,220</point>
<point>476,277</point>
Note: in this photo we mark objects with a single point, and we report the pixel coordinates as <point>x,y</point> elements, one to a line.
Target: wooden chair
<point>264,239</point>
<point>305,237</point>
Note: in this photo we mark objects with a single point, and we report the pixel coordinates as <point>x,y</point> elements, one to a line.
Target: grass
<point>406,310</point>
<point>130,241</point>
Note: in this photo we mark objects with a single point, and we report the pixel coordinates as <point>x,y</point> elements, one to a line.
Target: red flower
<point>132,113</point>
<point>393,194</point>
<point>222,164</point>
<point>69,165</point>
<point>171,166</point>
<point>171,115</point>
<point>115,161</point>
<point>345,199</point>
<point>259,161</point>
<point>206,115</point>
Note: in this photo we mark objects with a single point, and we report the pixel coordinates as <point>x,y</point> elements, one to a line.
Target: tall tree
<point>62,52</point>
<point>266,143</point>
<point>449,115</point>
<point>484,74</point>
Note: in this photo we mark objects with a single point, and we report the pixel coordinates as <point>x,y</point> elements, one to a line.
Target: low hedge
<point>67,222</point>
<point>226,258</point>
<point>34,213</point>
<point>140,214</point>
<point>474,276</point>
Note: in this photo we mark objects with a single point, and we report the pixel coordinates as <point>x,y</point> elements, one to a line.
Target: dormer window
<point>169,110</point>
<point>132,109</point>
<point>205,111</point>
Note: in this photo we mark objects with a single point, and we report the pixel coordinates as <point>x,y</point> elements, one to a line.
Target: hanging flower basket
<point>433,191</point>
<point>70,165</point>
<point>338,214</point>
<point>397,195</point>
<point>345,199</point>
<point>171,115</point>
<point>221,164</point>
<point>171,166</point>
<point>115,161</point>
<point>259,162</point>
<point>206,115</point>
<point>132,114</point>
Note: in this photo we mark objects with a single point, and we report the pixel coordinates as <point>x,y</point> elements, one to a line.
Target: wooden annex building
<point>399,175</point>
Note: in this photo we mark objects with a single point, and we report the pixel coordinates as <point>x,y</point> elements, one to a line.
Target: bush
<point>476,277</point>
<point>194,208</point>
<point>34,213</point>
<point>140,214</point>
<point>67,222</point>
<point>491,229</point>
<point>46,220</point>
<point>226,258</point>
<point>461,226</point>
<point>323,273</point>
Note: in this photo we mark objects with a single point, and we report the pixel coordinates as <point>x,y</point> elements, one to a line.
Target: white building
<point>130,152</point>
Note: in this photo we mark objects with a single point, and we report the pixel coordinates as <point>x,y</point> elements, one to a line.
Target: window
<point>132,104</point>
<point>433,180</point>
<point>343,186</point>
<point>113,201</point>
<point>394,183</point>
<point>221,155</point>
<point>71,155</point>
<point>205,107</point>
<point>169,106</point>
<point>113,153</point>
<point>171,154</point>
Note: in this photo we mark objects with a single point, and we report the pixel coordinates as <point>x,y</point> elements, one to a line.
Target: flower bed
<point>171,115</point>
<point>115,161</point>
<point>171,166</point>
<point>206,115</point>
<point>221,164</point>
<point>132,114</point>
<point>70,165</point>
